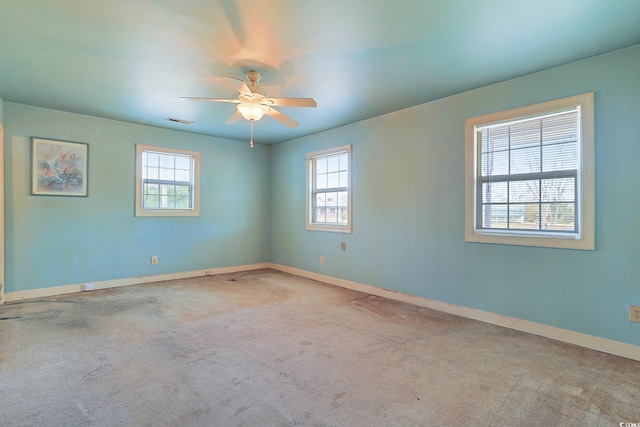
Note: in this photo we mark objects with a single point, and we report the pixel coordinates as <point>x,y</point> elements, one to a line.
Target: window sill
<point>161,212</point>
<point>345,229</point>
<point>521,239</point>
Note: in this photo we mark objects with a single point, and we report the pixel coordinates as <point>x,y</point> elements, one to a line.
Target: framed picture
<point>59,168</point>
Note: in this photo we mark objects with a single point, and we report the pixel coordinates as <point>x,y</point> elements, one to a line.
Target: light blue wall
<point>53,241</point>
<point>408,196</point>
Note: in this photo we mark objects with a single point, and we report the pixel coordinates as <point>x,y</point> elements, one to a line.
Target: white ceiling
<point>130,60</point>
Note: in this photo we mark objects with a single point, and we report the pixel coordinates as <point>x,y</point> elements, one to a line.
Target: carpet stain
<point>385,308</point>
<point>241,410</point>
<point>335,403</point>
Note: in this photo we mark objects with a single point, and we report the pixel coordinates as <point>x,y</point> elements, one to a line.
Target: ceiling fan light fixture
<point>252,111</point>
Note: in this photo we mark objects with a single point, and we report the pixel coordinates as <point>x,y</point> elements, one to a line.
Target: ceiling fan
<point>253,103</point>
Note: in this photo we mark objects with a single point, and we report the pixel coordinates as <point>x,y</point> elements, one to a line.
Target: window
<point>530,175</point>
<point>166,181</point>
<point>329,190</point>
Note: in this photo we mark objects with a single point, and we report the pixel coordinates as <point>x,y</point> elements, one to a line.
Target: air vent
<point>184,122</point>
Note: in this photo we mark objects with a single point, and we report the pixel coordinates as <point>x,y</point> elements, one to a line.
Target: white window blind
<point>528,174</point>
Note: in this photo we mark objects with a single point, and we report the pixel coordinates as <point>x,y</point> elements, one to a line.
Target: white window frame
<point>585,204</point>
<point>140,210</point>
<point>311,191</point>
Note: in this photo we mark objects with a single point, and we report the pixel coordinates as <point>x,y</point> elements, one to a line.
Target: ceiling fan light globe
<point>252,111</point>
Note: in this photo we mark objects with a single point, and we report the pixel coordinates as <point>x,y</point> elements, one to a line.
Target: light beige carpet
<point>266,348</point>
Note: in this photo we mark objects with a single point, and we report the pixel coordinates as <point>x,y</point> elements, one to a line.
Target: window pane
<point>332,198</point>
<point>321,215</point>
<point>183,162</point>
<point>333,164</point>
<point>151,201</point>
<point>321,181</point>
<point>560,157</point>
<point>182,175</point>
<point>151,189</point>
<point>321,200</point>
<point>333,180</point>
<point>494,216</point>
<point>332,214</point>
<point>516,217</point>
<point>182,202</point>
<point>494,164</point>
<point>167,189</point>
<point>532,215</point>
<point>495,139</point>
<point>343,215</point>
<point>321,165</point>
<point>344,162</point>
<point>559,190</point>
<point>344,179</point>
<point>494,192</point>
<point>343,198</point>
<point>525,160</point>
<point>150,173</point>
<point>525,134</point>
<point>558,216</point>
<point>167,161</point>
<point>524,191</point>
<point>151,159</point>
<point>560,128</point>
<point>167,174</point>
<point>183,190</point>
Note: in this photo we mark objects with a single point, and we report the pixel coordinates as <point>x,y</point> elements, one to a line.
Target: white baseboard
<point>105,284</point>
<point>604,345</point>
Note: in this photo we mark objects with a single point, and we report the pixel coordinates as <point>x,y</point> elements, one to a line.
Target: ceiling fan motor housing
<point>254,76</point>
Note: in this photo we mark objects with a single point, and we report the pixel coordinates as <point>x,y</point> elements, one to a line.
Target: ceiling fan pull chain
<point>251,140</point>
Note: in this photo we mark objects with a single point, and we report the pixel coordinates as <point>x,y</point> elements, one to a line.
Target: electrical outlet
<point>88,287</point>
<point>154,260</point>
<point>322,259</point>
<point>634,313</point>
<point>343,246</point>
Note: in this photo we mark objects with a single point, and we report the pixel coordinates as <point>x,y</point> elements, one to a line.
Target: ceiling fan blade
<point>241,85</point>
<point>291,102</point>
<point>285,120</point>
<point>235,118</point>
<point>191,98</point>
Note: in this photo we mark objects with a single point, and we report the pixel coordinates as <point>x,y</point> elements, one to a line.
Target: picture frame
<point>59,168</point>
